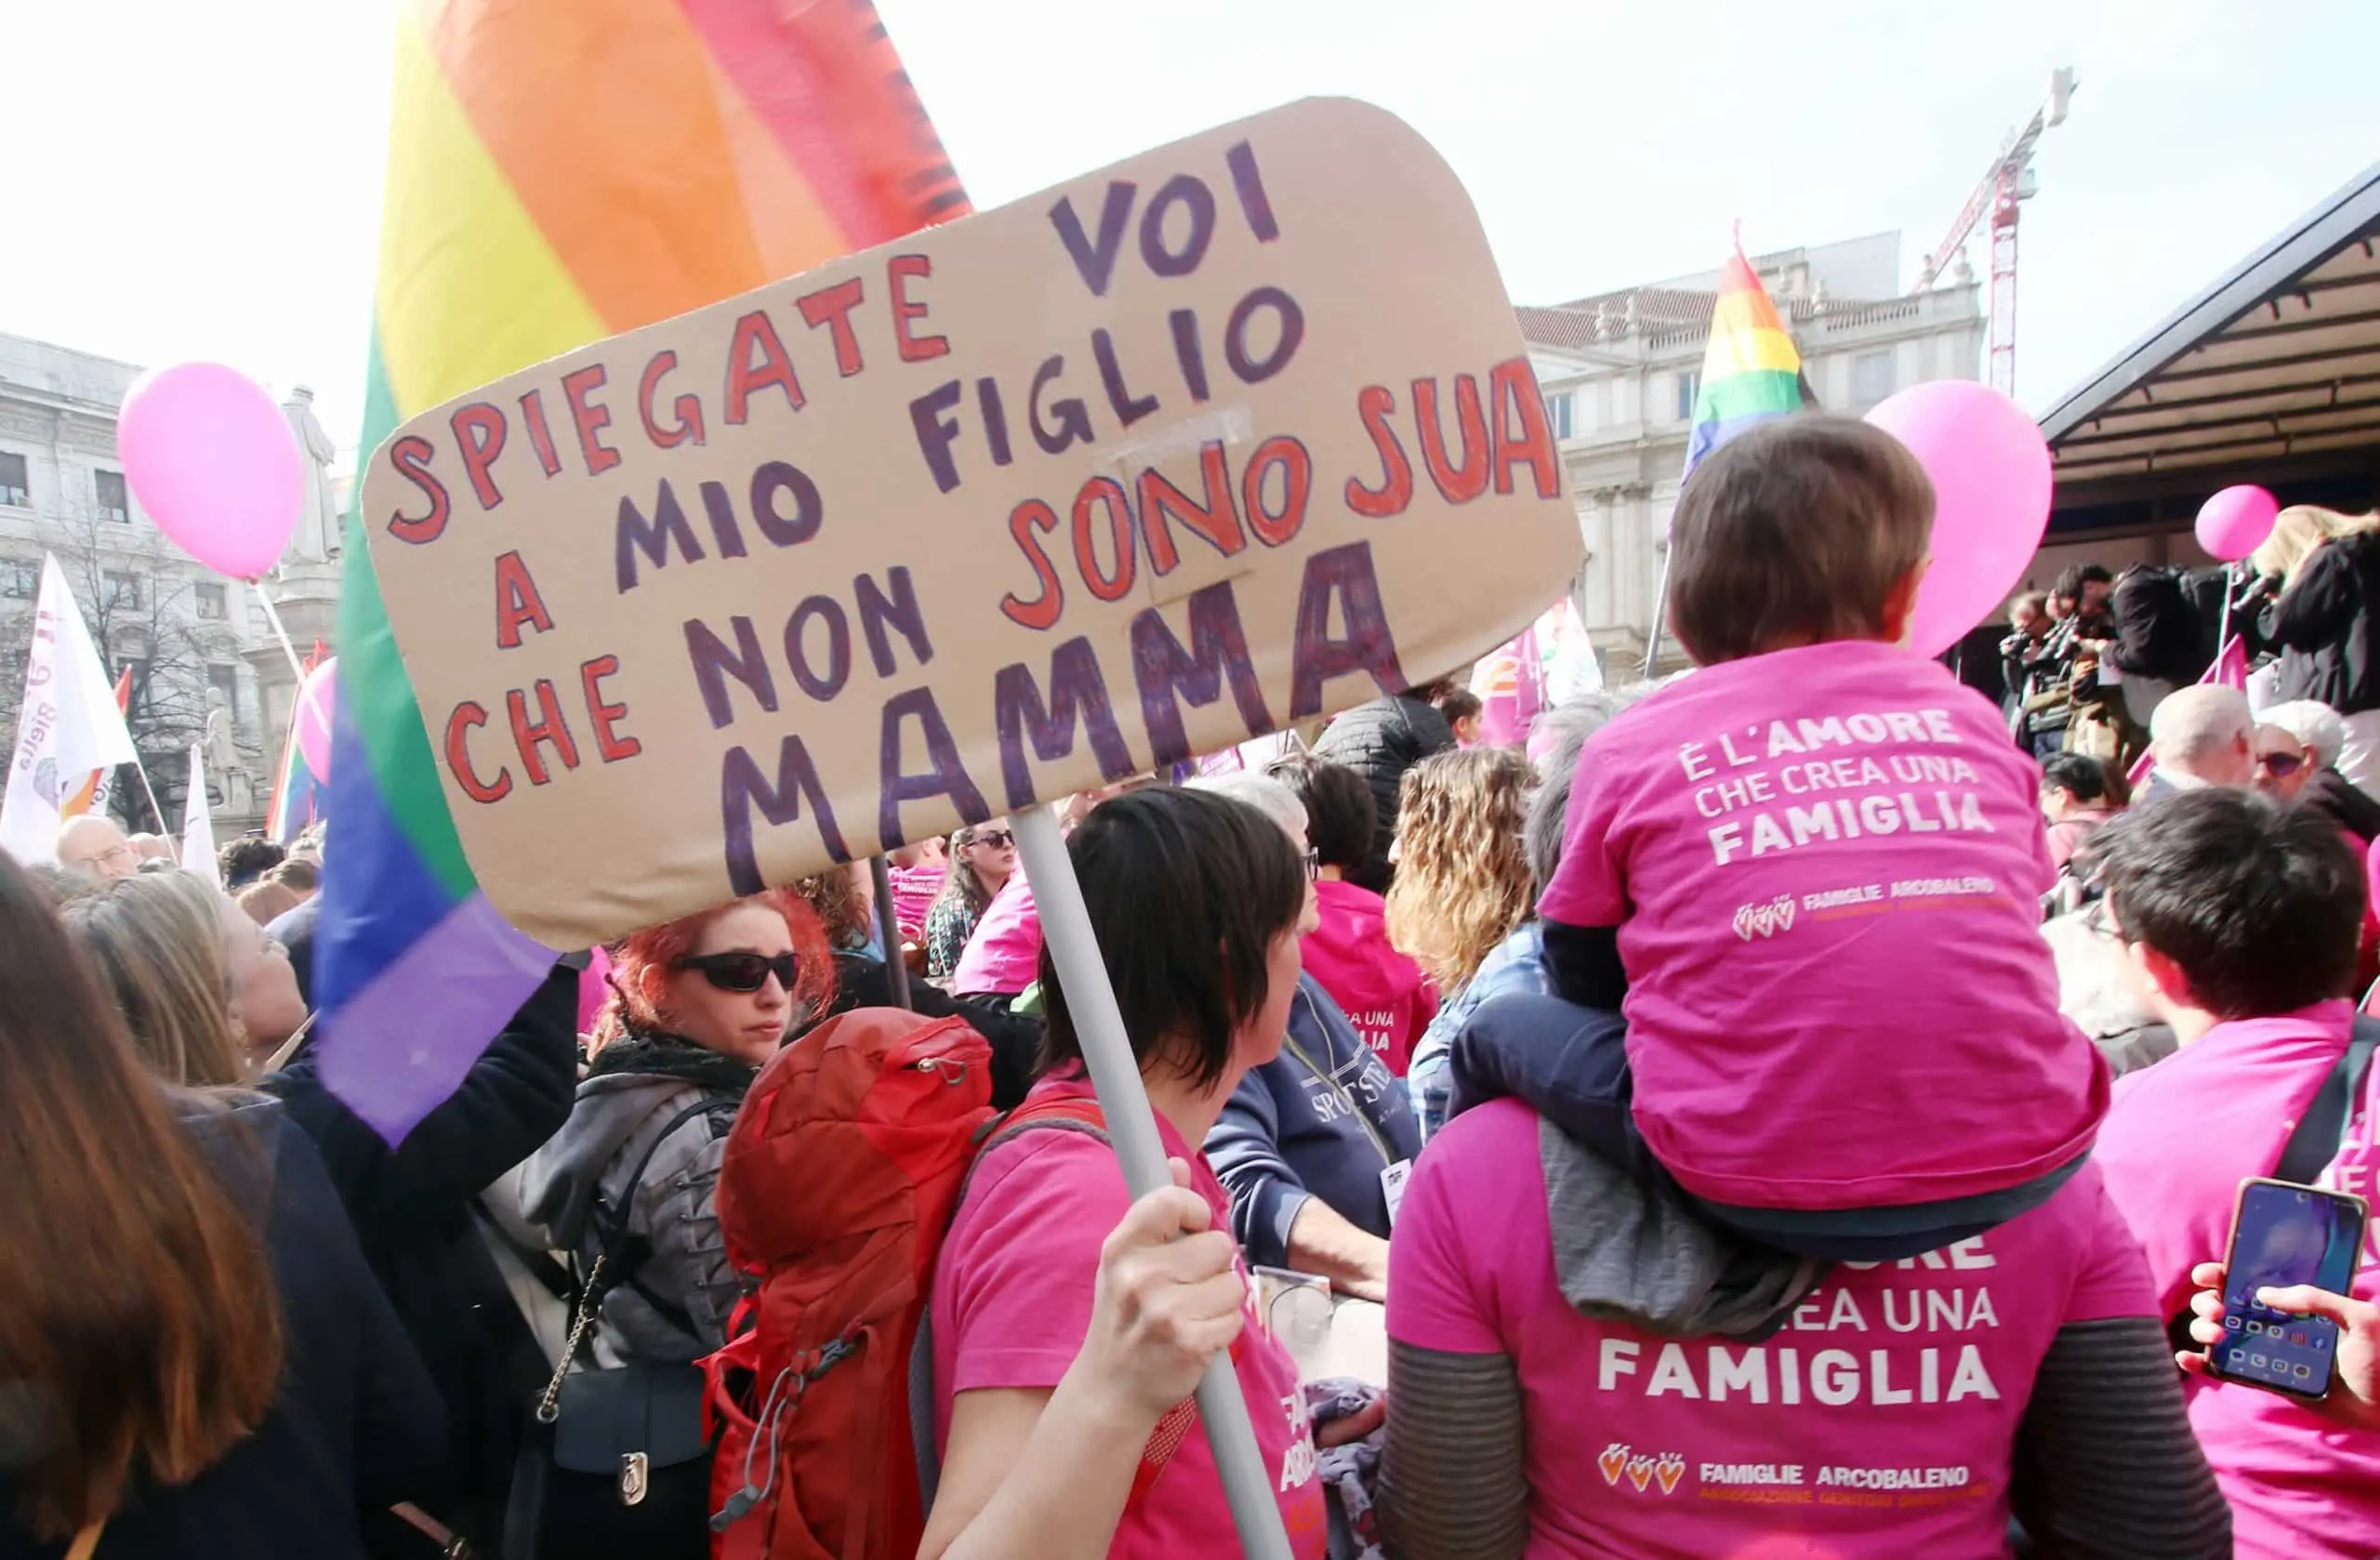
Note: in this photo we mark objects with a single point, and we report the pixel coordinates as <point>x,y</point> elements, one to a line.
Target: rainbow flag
<point>301,799</point>
<point>1752,372</point>
<point>560,171</point>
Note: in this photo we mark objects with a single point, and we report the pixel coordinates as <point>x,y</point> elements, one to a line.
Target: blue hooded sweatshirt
<point>1322,1119</point>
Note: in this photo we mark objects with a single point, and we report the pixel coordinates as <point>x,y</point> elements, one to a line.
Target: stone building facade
<point>1620,372</point>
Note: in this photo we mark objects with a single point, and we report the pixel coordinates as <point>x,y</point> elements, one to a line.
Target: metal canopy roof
<point>2277,361</point>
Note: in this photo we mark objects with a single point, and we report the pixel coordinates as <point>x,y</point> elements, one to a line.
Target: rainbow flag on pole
<point>300,797</point>
<point>1752,372</point>
<point>560,171</point>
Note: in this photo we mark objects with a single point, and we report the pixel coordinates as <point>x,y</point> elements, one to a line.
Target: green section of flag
<point>374,685</point>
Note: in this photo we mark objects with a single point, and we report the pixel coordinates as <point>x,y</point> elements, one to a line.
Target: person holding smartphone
<point>2354,1397</point>
<point>2238,920</point>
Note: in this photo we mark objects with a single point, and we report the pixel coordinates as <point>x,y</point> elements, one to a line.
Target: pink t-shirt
<point>1826,867</point>
<point>2182,1136</point>
<point>1880,1421</point>
<point>1004,954</point>
<point>1012,1306</point>
<point>914,888</point>
<point>1383,993</point>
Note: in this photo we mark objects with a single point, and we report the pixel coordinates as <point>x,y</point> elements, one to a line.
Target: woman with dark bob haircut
<point>1198,902</point>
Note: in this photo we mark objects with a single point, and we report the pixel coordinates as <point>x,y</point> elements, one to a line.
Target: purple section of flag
<point>397,1049</point>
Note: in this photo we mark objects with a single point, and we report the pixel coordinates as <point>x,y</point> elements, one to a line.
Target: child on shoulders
<point>1810,874</point>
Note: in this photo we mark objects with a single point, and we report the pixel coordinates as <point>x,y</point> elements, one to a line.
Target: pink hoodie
<point>1385,993</point>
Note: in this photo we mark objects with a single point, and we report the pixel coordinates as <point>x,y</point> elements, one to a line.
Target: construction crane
<point>2007,182</point>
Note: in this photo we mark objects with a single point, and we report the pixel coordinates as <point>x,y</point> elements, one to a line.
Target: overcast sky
<point>202,179</point>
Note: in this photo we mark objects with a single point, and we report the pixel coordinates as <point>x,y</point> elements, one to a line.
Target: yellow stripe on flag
<point>470,290</point>
<point>1748,352</point>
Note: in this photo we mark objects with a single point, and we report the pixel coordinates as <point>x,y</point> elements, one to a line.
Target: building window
<point>1689,391</point>
<point>1872,378</point>
<point>214,600</point>
<point>1558,413</point>
<point>225,679</point>
<point>14,487</point>
<point>20,579</point>
<point>121,590</point>
<point>113,505</point>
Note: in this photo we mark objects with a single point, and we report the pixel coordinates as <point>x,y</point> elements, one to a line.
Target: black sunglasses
<point>2280,765</point>
<point>742,973</point>
<point>998,838</point>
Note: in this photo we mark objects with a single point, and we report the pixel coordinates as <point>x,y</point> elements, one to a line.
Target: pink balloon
<point>316,702</point>
<point>215,464</point>
<point>2235,522</point>
<point>1990,467</point>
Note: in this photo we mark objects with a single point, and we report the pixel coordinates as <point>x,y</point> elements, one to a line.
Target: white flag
<point>198,824</point>
<point>69,725</point>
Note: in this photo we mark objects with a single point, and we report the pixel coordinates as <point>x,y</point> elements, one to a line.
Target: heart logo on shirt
<point>1669,1469</point>
<point>1614,1458</point>
<point>1640,1473</point>
<point>1764,920</point>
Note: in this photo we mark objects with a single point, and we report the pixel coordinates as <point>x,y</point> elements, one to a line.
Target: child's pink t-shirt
<point>1826,867</point>
<point>1383,994</point>
<point>1011,1305</point>
<point>914,890</point>
<point>2181,1137</point>
<point>1879,1423</point>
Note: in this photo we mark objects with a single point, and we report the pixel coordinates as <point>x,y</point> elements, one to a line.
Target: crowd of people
<point>1791,1109</point>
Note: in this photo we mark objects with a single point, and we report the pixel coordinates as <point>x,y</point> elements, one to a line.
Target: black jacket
<point>356,1426</point>
<point>862,980</point>
<point>412,1209</point>
<point>2157,631</point>
<point>1381,741</point>
<point>2338,799</point>
<point>2324,628</point>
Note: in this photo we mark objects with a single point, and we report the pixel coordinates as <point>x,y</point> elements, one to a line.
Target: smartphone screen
<point>2285,1235</point>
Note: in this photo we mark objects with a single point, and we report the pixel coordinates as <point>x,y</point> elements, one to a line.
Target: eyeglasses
<point>742,974</point>
<point>1312,860</point>
<point>2280,765</point>
<point>998,838</point>
<point>2098,921</point>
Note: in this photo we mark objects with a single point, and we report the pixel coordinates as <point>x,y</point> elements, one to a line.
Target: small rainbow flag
<point>301,799</point>
<point>1753,371</point>
<point>560,171</point>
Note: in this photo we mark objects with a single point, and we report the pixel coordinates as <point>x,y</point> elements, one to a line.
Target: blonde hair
<point>268,899</point>
<point>1462,880</point>
<point>156,943</point>
<point>2299,529</point>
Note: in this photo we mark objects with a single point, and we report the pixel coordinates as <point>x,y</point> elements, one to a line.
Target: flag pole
<point>1132,1127</point>
<point>1660,614</point>
<point>272,615</point>
<point>888,922</point>
<point>150,791</point>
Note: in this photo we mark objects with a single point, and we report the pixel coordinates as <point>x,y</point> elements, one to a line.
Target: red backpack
<point>845,1166</point>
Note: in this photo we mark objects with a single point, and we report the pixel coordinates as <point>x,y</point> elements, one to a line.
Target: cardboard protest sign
<point>1230,435</point>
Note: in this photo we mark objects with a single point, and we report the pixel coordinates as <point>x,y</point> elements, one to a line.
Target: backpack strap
<point>1074,1115</point>
<point>2315,1143</point>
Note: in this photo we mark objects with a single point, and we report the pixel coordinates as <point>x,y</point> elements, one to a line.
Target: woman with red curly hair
<point>697,1007</point>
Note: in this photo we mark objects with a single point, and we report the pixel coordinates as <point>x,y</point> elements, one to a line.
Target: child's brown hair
<point>1796,533</point>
